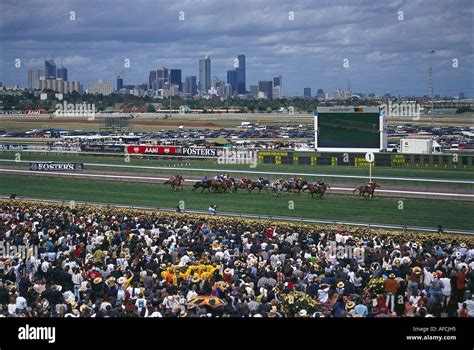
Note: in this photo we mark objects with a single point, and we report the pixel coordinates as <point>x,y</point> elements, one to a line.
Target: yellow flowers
<point>257,224</point>
<point>293,302</point>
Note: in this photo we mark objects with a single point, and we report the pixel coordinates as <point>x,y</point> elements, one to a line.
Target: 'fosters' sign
<point>48,166</point>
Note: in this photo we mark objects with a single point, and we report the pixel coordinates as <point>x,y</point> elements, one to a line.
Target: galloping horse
<point>277,187</point>
<point>226,184</point>
<point>175,182</point>
<point>367,191</point>
<point>263,185</point>
<point>318,188</point>
<point>203,184</point>
<point>244,184</point>
<point>297,185</point>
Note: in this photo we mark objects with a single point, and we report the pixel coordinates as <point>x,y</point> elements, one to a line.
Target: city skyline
<point>384,53</point>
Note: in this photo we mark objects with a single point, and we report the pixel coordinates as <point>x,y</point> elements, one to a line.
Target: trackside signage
<point>151,150</point>
<point>36,166</point>
<point>205,152</point>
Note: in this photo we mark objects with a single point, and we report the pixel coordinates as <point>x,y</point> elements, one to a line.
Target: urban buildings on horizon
<point>165,82</point>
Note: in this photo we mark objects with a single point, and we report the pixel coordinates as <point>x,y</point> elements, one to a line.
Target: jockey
<point>204,179</point>
<point>221,177</point>
<point>261,180</point>
<point>244,180</point>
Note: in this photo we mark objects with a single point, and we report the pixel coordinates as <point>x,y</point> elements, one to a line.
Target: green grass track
<point>382,210</point>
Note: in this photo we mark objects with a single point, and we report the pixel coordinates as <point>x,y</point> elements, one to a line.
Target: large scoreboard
<point>350,129</point>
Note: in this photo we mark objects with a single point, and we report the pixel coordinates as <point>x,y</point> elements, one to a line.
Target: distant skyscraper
<point>241,72</point>
<point>254,90</point>
<point>278,87</point>
<point>266,86</point>
<point>119,82</point>
<point>204,74</point>
<point>61,73</point>
<point>34,75</point>
<point>49,69</point>
<point>162,77</point>
<point>320,93</point>
<point>190,86</point>
<point>151,78</point>
<point>175,76</point>
<point>307,92</point>
<point>277,81</point>
<point>232,81</point>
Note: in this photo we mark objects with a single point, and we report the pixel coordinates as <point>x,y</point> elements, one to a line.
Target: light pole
<point>431,86</point>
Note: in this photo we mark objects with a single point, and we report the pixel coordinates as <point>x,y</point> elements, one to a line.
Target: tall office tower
<point>266,87</point>
<point>31,77</point>
<point>232,81</point>
<point>254,90</point>
<point>61,73</point>
<point>320,93</point>
<point>49,69</point>
<point>204,75</point>
<point>119,82</point>
<point>162,77</point>
<point>241,71</point>
<point>151,78</point>
<point>190,85</point>
<point>307,92</point>
<point>34,75</point>
<point>278,81</point>
<point>175,76</point>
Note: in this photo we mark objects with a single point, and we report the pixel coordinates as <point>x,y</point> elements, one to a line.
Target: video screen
<point>348,130</point>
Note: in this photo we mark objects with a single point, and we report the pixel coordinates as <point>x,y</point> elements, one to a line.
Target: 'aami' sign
<point>151,150</point>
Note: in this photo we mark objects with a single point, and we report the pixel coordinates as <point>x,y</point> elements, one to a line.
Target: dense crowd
<point>111,262</point>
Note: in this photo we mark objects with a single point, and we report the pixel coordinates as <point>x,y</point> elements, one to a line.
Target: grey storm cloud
<point>385,54</point>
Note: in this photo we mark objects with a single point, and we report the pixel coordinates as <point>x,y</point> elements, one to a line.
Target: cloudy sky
<point>385,44</point>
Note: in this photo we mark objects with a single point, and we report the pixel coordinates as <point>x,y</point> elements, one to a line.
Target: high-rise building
<point>254,90</point>
<point>49,69</point>
<point>320,93</point>
<point>175,76</point>
<point>162,77</point>
<point>190,86</point>
<point>119,82</point>
<point>151,78</point>
<point>204,75</point>
<point>307,92</point>
<point>232,80</point>
<point>277,92</point>
<point>278,81</point>
<point>99,87</point>
<point>266,87</point>
<point>61,73</point>
<point>241,72</point>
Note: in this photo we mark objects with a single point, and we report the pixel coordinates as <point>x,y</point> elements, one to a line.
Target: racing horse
<point>277,187</point>
<point>244,184</point>
<point>225,185</point>
<point>203,185</point>
<point>175,182</point>
<point>318,187</point>
<point>261,185</point>
<point>367,191</point>
<point>296,185</point>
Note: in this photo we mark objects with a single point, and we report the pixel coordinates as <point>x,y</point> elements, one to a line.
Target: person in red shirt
<point>460,283</point>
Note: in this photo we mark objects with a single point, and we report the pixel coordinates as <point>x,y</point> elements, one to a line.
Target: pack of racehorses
<point>294,185</point>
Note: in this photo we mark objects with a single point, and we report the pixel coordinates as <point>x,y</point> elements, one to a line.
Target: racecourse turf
<point>212,164</point>
<point>416,212</point>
